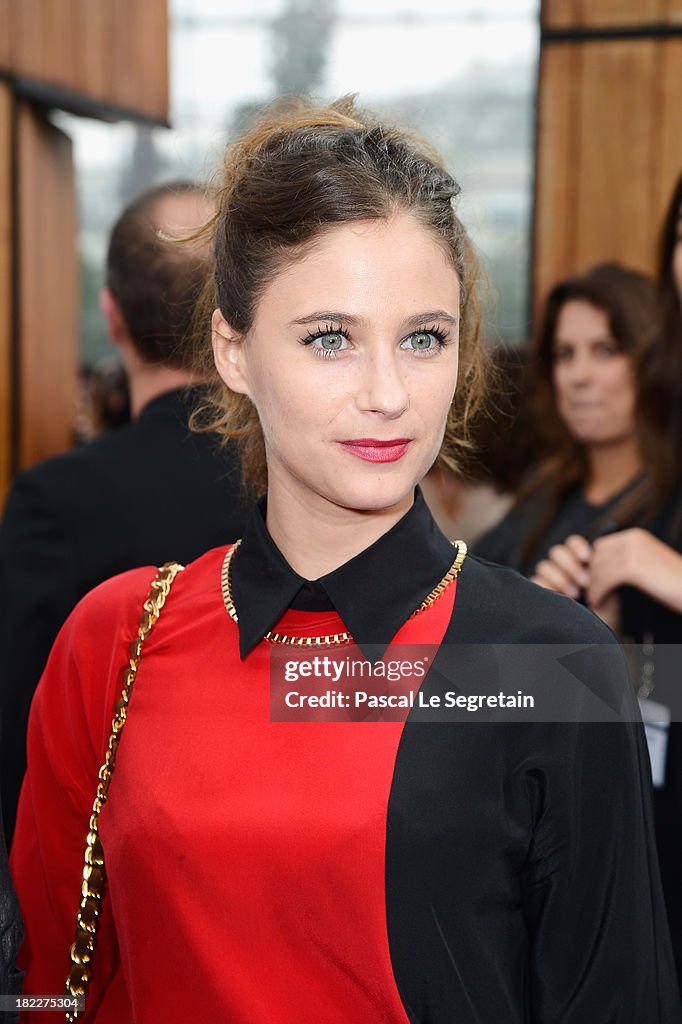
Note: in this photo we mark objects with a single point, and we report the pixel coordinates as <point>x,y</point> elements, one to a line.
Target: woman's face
<point>351,363</point>
<point>593,380</point>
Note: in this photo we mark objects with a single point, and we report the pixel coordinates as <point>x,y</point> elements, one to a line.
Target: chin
<point>376,493</point>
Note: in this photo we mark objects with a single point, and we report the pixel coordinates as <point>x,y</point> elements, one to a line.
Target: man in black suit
<point>143,494</point>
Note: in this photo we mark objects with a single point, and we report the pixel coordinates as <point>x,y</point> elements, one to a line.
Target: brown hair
<point>660,399</point>
<point>629,300</point>
<point>156,281</point>
<point>296,172</point>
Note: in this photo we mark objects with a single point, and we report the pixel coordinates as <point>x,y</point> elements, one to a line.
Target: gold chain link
<point>332,638</point>
<point>94,875</point>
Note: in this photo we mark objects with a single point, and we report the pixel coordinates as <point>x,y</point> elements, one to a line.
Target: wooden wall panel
<point>559,13</point>
<point>109,52</point>
<point>609,149</point>
<point>48,294</point>
<point>4,34</point>
<point>609,13</point>
<point>5,289</point>
<point>620,12</point>
<point>557,159</point>
<point>152,35</point>
<point>668,165</point>
<point>617,148</point>
<point>92,70</point>
<point>138,39</point>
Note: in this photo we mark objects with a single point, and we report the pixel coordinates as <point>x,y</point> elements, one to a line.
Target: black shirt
<point>507,542</point>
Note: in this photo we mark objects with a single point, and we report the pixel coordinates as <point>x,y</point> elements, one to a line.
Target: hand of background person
<point>635,558</point>
<point>566,568</point>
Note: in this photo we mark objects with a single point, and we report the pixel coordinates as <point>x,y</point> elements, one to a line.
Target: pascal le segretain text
<point>410,699</point>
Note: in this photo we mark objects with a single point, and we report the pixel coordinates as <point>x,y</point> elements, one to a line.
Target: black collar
<point>374,593</point>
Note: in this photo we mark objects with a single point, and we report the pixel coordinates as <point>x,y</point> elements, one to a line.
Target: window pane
<point>460,72</point>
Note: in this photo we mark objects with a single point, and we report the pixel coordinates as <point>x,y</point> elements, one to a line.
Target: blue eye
<point>606,349</point>
<point>331,342</point>
<point>424,341</point>
<point>326,342</point>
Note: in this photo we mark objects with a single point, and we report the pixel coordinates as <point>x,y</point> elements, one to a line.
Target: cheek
<point>623,384</point>
<point>288,406</point>
<point>432,385</point>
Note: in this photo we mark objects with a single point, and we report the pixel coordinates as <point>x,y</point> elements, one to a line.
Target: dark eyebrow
<point>601,340</point>
<point>334,316</point>
<point>430,317</point>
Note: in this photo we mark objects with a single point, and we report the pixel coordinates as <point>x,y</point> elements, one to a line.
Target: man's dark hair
<point>156,282</point>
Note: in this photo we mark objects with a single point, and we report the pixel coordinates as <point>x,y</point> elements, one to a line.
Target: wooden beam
<point>48,291</point>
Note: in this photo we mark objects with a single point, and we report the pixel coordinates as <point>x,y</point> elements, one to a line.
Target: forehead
<point>578,319</point>
<point>371,266</point>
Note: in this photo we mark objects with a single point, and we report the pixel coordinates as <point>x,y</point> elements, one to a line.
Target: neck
<point>302,529</point>
<point>610,468</point>
<point>148,382</point>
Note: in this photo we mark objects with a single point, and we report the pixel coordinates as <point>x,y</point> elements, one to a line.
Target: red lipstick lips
<point>372,450</point>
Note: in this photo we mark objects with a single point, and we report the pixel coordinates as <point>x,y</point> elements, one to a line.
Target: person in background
<point>146,492</point>
<point>595,327</point>
<point>633,574</point>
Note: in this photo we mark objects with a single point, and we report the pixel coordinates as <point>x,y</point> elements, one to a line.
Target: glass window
<point>460,72</point>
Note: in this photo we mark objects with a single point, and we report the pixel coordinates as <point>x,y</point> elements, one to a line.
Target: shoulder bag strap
<point>94,875</point>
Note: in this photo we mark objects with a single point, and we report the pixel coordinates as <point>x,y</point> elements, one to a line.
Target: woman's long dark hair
<point>660,369</point>
<point>629,300</point>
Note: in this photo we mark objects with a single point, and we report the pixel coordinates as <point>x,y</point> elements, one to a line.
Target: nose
<point>382,388</point>
<point>579,369</point>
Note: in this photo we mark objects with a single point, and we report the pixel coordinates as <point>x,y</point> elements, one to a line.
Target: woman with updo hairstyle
<point>315,804</point>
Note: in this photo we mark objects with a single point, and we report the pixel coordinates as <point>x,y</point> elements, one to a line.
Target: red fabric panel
<point>245,857</point>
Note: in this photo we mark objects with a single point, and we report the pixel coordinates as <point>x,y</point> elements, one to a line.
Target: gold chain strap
<point>332,638</point>
<point>94,875</point>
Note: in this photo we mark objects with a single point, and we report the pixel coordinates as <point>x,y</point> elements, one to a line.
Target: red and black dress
<point>339,872</point>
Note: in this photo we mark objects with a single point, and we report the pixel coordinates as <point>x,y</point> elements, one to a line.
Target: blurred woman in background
<point>595,328</point>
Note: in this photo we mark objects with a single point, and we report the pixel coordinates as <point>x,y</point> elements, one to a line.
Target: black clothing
<point>148,492</point>
<point>643,620</point>
<point>506,542</point>
<point>362,591</point>
<point>11,935</point>
<point>646,621</point>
